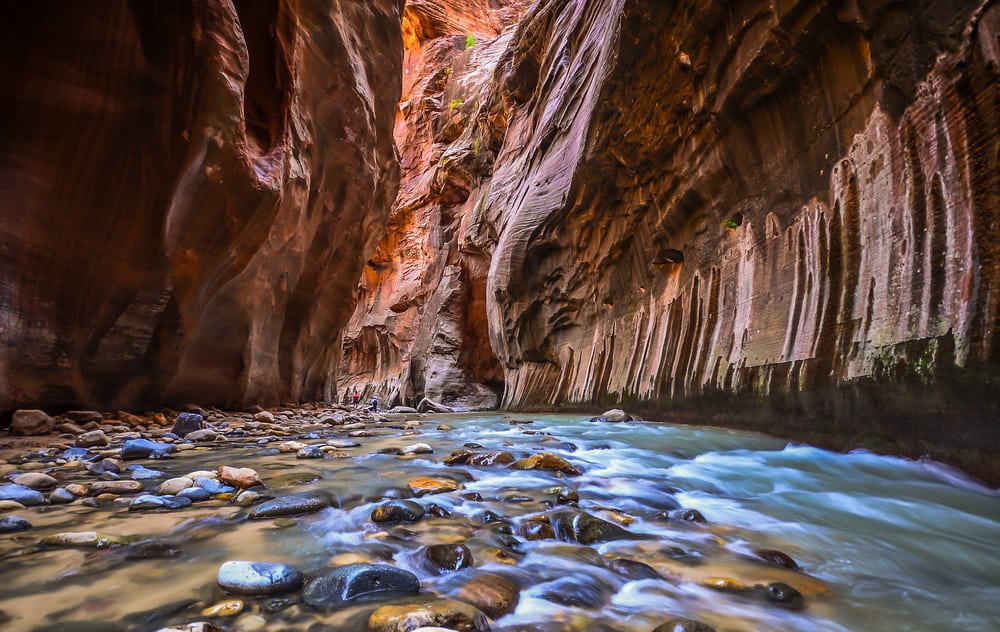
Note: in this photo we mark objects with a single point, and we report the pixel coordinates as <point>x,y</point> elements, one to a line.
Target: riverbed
<point>692,522</point>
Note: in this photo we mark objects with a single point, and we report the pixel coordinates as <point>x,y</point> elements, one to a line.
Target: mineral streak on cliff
<point>420,326</point>
<point>787,208</point>
<point>189,191</point>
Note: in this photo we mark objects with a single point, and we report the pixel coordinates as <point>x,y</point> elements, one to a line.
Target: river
<point>881,543</point>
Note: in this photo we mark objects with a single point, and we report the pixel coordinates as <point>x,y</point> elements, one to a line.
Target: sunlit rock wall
<point>764,210</point>
<point>188,192</point>
<point>420,327</point>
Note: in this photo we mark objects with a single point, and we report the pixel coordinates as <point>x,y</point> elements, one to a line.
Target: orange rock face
<point>420,328</point>
<point>189,192</point>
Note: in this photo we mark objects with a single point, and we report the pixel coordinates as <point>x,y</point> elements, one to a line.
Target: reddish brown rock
<point>31,422</point>
<point>190,191</point>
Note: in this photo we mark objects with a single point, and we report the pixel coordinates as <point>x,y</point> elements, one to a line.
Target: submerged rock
<point>546,461</point>
<point>342,585</point>
<point>777,558</point>
<point>448,558</point>
<point>424,486</point>
<point>493,594</point>
<point>578,526</point>
<point>149,501</point>
<point>12,524</point>
<point>293,504</point>
<point>683,625</point>
<point>258,578</point>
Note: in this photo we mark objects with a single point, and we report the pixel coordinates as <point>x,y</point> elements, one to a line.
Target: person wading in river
<point>356,397</point>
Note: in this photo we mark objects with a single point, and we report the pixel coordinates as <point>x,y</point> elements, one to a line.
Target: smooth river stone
<point>11,524</point>
<point>423,486</point>
<point>213,486</point>
<point>19,493</point>
<point>341,444</point>
<point>546,461</point>
<point>149,501</point>
<point>35,480</point>
<point>194,494</point>
<point>456,615</point>
<point>140,473</point>
<point>92,439</point>
<point>342,585</point>
<point>259,578</point>
<point>241,477</point>
<point>683,625</point>
<point>144,448</point>
<point>293,504</point>
<point>173,486</point>
<point>577,526</point>
<point>398,511</point>
<point>115,487</point>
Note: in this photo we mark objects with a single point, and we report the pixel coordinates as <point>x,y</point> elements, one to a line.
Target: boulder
<point>616,416</point>
<point>240,477</point>
<point>448,558</point>
<point>19,493</point>
<point>346,584</point>
<point>398,511</point>
<point>30,422</point>
<point>144,448</point>
<point>579,526</point>
<point>430,406</point>
<point>35,480</point>
<point>92,439</point>
<point>546,461</point>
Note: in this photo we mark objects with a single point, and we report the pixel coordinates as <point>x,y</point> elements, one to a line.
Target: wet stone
<point>144,448</point>
<point>342,444</point>
<point>173,486</point>
<point>632,570</point>
<point>783,595</point>
<point>149,501</point>
<point>240,477</point>
<point>777,558</point>
<point>578,591</point>
<point>13,524</point>
<point>493,594</point>
<point>194,494</point>
<point>187,423</point>
<point>258,578</point>
<point>546,461</point>
<point>578,526</point>
<point>35,480</point>
<point>566,496</point>
<point>77,454</point>
<point>142,473</point>
<point>293,504</point>
<point>19,493</point>
<point>31,422</point>
<point>213,486</point>
<point>448,558</point>
<point>445,614</point>
<point>344,584</point>
<point>536,530</point>
<point>683,625</point>
<point>61,496</point>
<point>311,452</point>
<point>616,415</point>
<point>92,439</point>
<point>203,435</point>
<point>398,511</point>
<point>115,487</point>
<point>423,486</point>
<point>417,448</point>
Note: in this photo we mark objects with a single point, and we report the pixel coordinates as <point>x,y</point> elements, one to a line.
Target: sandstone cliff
<point>189,191</point>
<point>778,214</point>
<point>781,211</point>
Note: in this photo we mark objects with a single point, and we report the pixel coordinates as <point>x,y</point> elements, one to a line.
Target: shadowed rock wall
<point>781,213</point>
<point>189,191</point>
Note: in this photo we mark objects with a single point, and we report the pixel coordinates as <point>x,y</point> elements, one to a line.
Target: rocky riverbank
<point>432,554</point>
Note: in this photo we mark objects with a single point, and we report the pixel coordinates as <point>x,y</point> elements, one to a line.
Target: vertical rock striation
<point>189,191</point>
<point>420,327</point>
<point>781,213</point>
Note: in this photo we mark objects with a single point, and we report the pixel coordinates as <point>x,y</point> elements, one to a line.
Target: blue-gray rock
<point>194,494</point>
<point>61,496</point>
<point>142,473</point>
<point>310,452</point>
<point>293,504</point>
<point>398,511</point>
<point>145,449</point>
<point>149,501</point>
<point>358,582</point>
<point>343,443</point>
<point>78,454</point>
<point>259,578</point>
<point>24,495</point>
<point>213,486</point>
<point>187,423</point>
<point>11,524</point>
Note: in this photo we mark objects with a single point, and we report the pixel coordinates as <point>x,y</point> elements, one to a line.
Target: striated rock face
<point>420,327</point>
<point>783,214</point>
<point>781,208</point>
<point>189,191</point>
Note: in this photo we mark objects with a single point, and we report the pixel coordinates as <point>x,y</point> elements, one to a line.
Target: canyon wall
<point>189,192</point>
<point>774,213</point>
<point>771,214</point>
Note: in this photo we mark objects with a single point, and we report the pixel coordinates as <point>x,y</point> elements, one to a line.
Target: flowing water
<point>882,543</point>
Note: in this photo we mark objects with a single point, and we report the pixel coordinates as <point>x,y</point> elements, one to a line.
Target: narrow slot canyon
<point>500,315</point>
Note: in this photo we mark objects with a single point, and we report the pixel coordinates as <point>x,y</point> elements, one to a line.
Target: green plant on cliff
<point>731,223</point>
<point>455,103</point>
<point>475,147</point>
<point>470,41</point>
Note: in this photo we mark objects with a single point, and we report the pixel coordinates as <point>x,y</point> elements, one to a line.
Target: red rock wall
<point>420,327</point>
<point>778,211</point>
<point>189,191</point>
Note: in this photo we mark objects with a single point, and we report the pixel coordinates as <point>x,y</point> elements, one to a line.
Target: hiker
<point>374,404</point>
<point>356,397</point>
